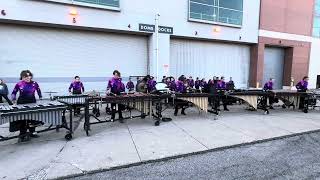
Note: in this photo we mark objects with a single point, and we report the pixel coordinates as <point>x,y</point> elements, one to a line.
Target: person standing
<point>197,83</point>
<point>151,84</point>
<point>190,82</point>
<point>76,87</point>
<point>302,86</point>
<point>4,92</point>
<point>180,88</point>
<point>222,87</point>
<point>130,85</point>
<point>268,86</point>
<point>115,87</point>
<point>27,88</point>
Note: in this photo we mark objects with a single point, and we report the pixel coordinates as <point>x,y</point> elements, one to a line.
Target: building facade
<point>58,39</point>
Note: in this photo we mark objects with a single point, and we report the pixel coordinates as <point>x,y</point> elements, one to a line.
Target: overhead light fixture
<point>216,29</point>
<point>73,12</point>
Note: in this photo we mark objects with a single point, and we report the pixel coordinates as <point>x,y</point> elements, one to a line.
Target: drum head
<point>161,87</point>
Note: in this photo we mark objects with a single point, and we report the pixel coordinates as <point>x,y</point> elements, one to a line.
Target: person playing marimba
<point>4,92</point>
<point>27,89</point>
<point>197,83</point>
<point>268,86</point>
<point>190,82</point>
<point>115,87</point>
<point>151,84</point>
<point>76,87</point>
<point>230,85</point>
<point>203,84</point>
<point>181,88</point>
<point>302,86</point>
<point>221,85</point>
<point>130,85</point>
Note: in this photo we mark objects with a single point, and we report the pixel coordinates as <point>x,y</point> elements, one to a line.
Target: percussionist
<point>190,82</point>
<point>302,86</point>
<point>76,87</point>
<point>181,88</point>
<point>221,85</point>
<point>130,85</point>
<point>268,86</point>
<point>197,83</point>
<point>115,87</point>
<point>27,88</point>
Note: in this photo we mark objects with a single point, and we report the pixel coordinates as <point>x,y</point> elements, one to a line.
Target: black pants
<point>76,109</point>
<point>24,125</point>
<point>6,98</point>
<point>114,110</point>
<point>180,104</point>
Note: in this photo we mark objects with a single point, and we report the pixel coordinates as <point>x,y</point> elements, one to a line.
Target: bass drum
<point>142,87</point>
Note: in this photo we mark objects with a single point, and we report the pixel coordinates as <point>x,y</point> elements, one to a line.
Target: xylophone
<point>140,101</point>
<point>51,113</point>
<point>257,99</point>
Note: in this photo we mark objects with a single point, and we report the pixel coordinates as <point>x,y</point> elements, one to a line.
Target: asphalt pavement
<point>290,158</point>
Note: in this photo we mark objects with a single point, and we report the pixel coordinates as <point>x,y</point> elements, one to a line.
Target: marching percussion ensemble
<point>147,97</point>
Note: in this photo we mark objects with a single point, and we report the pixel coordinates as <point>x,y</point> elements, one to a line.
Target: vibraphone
<point>51,113</point>
<point>75,101</point>
<point>140,101</point>
<point>257,99</point>
<point>292,98</point>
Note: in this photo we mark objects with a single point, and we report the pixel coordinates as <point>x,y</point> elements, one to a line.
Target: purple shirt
<point>180,87</point>
<point>76,87</point>
<point>26,90</point>
<point>190,83</point>
<point>302,85</point>
<point>116,86</point>
<point>221,85</point>
<point>151,85</point>
<point>130,86</point>
<point>268,85</point>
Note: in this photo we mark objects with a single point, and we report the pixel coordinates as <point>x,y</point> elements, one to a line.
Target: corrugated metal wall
<point>50,52</point>
<point>273,65</point>
<point>208,59</point>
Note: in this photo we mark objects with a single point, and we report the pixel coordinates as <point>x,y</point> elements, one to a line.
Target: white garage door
<point>208,59</point>
<point>54,55</point>
<point>273,65</point>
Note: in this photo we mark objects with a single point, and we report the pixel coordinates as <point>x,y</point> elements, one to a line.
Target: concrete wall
<point>133,12</point>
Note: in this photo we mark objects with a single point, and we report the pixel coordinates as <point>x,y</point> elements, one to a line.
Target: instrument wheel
<point>143,116</point>
<point>68,136</point>
<point>266,112</point>
<point>157,123</point>
<point>98,114</point>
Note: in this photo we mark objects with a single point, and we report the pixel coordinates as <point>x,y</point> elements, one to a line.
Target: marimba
<point>292,98</point>
<point>138,101</point>
<point>198,99</point>
<point>72,99</point>
<point>257,99</point>
<point>51,113</point>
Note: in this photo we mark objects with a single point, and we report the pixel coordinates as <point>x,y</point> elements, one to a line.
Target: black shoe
<point>34,136</point>
<point>271,107</point>
<point>183,113</point>
<point>226,109</point>
<point>23,139</point>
